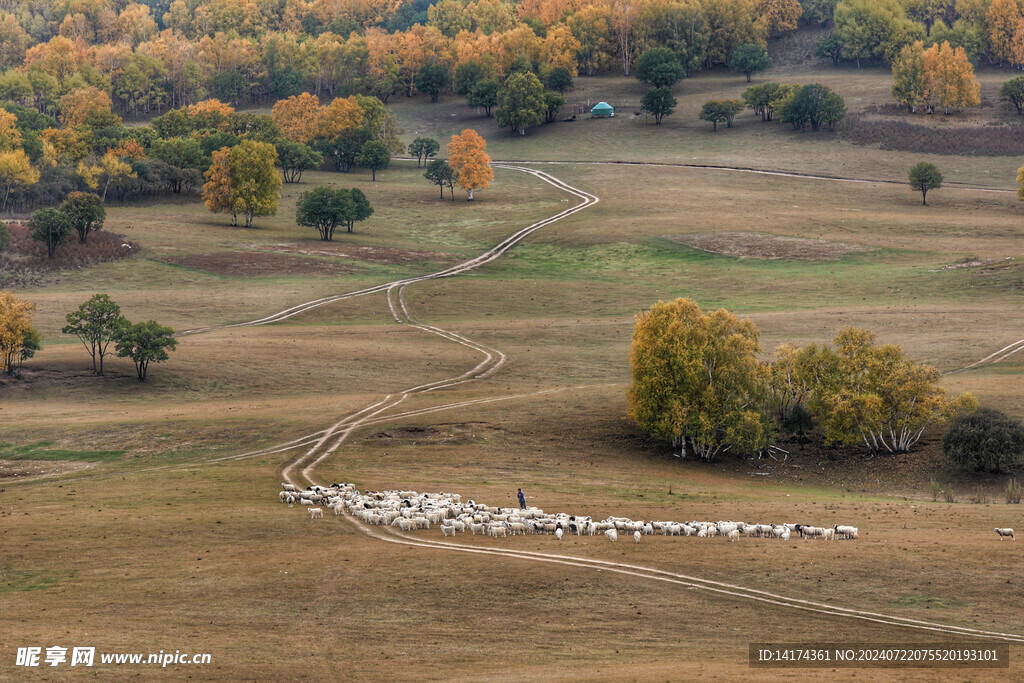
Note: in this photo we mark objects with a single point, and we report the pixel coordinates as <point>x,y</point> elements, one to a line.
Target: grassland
<point>145,544</point>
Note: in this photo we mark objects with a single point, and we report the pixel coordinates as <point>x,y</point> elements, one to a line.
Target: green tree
<point>766,98</point>
<point>229,86</point>
<point>553,102</point>
<point>1013,91</point>
<point>423,149</point>
<point>442,175</point>
<point>432,78</point>
<point>5,238</point>
<point>924,177</point>
<point>908,77</point>
<point>748,58</point>
<point>872,394</point>
<point>720,111</point>
<point>659,67</point>
<point>343,149</point>
<point>865,28</point>
<point>558,79</point>
<point>813,105</point>
<point>697,380</point>
<point>467,75</point>
<point>361,209</point>
<point>184,161</point>
<point>986,440</point>
<point>521,102</point>
<point>375,156</point>
<point>324,209</point>
<point>829,47</point>
<point>484,94</point>
<point>50,227</point>
<point>294,158</point>
<point>86,213</point>
<point>255,185</point>
<point>659,102</point>
<point>97,323</point>
<point>145,343</point>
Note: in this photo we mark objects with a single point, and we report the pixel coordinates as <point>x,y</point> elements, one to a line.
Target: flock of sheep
<point>409,510</point>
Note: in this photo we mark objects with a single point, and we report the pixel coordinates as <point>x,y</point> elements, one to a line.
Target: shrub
<point>1013,491</point>
<point>798,421</point>
<point>948,494</point>
<point>5,238</point>
<point>935,488</point>
<point>988,439</point>
<point>980,496</point>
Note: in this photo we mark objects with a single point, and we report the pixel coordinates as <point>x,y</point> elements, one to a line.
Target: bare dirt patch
<point>370,253</point>
<point>13,470</point>
<point>975,262</point>
<point>259,264</point>
<point>759,245</point>
<point>26,262</point>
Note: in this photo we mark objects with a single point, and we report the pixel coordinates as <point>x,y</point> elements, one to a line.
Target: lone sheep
<point>316,513</point>
<point>1005,532</point>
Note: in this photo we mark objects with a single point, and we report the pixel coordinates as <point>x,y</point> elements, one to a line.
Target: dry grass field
<point>126,524</point>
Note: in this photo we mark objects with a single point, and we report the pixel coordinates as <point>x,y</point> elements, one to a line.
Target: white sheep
<point>558,534</point>
<point>316,513</point>
<point>612,534</point>
<point>636,536</point>
<point>734,535</point>
<point>1005,532</point>
<point>497,531</point>
<point>447,530</point>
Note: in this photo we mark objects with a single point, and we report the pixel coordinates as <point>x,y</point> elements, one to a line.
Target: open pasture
<point>167,541</point>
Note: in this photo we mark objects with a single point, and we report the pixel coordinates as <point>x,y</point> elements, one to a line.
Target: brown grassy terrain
<point>141,543</point>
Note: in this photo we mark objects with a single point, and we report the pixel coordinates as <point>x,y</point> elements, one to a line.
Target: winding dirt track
<point>324,443</point>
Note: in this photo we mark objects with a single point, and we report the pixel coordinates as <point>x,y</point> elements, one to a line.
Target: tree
<point>659,102</point>
<point>16,172</point>
<point>294,158</point>
<point>423,149</point>
<point>720,111</point>
<point>96,323</point>
<point>87,107</point>
<point>229,86</point>
<point>467,75</point>
<point>697,380</point>
<point>552,103</point>
<point>51,227</point>
<point>949,79</point>
<point>442,175</point>
<point>86,213</point>
<point>15,327</point>
<point>324,209</point>
<point>748,58</point>
<point>766,98</point>
<point>145,343</point>
<point>432,78</point>
<point>298,118</point>
<point>829,47</point>
<point>217,190</point>
<point>813,105</point>
<point>255,185</point>
<point>776,17</point>
<point>1013,91</point>
<point>924,177</point>
<point>10,136</point>
<point>184,161</point>
<point>468,158</point>
<point>908,77</point>
<point>520,102</point>
<point>375,156</point>
<point>361,209</point>
<point>659,67</point>
<point>872,394</point>
<point>558,79</point>
<point>484,94</point>
<point>986,440</point>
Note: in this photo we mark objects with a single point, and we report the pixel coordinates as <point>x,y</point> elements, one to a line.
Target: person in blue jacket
<point>522,500</point>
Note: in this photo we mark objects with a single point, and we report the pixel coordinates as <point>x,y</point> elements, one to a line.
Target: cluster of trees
<point>18,339</point>
<point>41,160</point>
<point>801,106</point>
<point>81,212</point>
<point>149,56</point>
<point>98,323</point>
<point>878,30</point>
<point>940,76</point>
<point>325,209</point>
<point>697,381</point>
<point>529,96</point>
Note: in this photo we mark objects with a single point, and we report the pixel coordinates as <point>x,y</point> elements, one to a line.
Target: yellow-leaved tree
<point>298,117</point>
<point>10,136</point>
<point>243,180</point>
<point>18,339</point>
<point>697,380</point>
<point>16,173</point>
<point>468,157</point>
<point>870,393</point>
<point>949,80</point>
